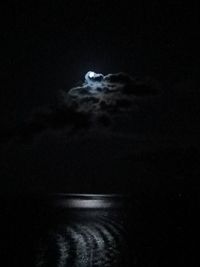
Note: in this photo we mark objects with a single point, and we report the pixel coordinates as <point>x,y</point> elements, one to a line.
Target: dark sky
<point>46,48</point>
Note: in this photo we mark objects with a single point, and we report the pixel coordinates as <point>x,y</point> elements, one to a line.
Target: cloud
<point>114,126</point>
<point>50,118</point>
<point>100,101</point>
<point>109,96</point>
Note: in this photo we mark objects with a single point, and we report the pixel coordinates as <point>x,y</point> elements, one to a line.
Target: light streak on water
<point>94,237</point>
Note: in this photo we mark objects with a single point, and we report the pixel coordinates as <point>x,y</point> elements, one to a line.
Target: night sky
<point>132,129</point>
<point>147,144</point>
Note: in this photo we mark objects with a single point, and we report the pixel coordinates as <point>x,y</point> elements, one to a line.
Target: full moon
<point>93,78</point>
<point>91,74</point>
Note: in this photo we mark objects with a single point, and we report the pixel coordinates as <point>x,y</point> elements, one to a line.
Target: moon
<point>91,74</point>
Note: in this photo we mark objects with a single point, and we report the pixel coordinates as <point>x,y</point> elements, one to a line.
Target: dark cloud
<point>99,101</point>
<point>52,118</point>
<point>109,96</point>
<point>116,133</point>
<point>117,104</point>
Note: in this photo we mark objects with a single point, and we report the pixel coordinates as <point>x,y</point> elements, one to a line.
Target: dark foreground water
<point>97,231</point>
<point>91,238</point>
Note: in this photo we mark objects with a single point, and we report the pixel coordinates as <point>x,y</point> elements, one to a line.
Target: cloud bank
<point>104,98</point>
<point>101,101</point>
<point>112,92</point>
<point>112,133</point>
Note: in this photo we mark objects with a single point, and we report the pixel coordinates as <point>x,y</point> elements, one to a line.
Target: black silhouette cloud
<point>113,92</point>
<point>101,101</point>
<point>113,133</point>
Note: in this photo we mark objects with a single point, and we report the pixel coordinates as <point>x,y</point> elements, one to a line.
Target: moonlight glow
<point>91,74</point>
<point>90,77</point>
<point>93,78</point>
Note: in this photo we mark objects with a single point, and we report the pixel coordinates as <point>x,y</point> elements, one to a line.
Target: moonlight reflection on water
<point>92,237</point>
<point>42,231</point>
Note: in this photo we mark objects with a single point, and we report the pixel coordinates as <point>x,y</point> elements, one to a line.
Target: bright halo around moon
<point>91,74</point>
<point>93,78</point>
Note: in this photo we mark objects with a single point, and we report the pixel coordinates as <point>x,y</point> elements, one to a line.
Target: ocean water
<point>80,231</point>
<point>92,237</point>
